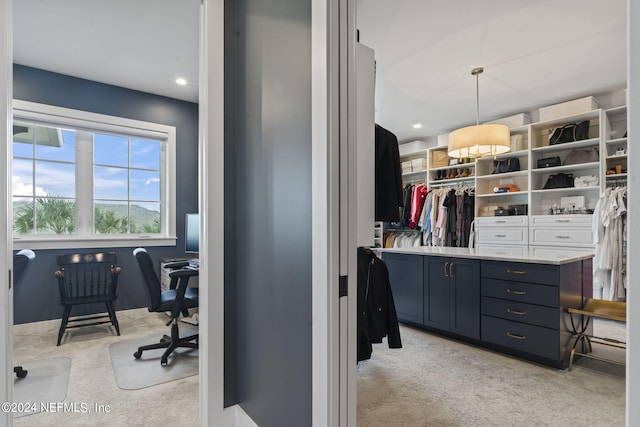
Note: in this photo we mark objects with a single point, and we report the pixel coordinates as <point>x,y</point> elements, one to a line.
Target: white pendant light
<point>479,140</point>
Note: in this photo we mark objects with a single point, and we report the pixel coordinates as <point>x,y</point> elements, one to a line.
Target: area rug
<point>46,383</point>
<point>134,374</point>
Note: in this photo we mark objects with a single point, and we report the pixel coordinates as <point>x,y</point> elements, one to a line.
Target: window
<point>81,177</point>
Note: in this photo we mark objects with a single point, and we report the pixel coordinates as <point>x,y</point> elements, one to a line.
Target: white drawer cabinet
<point>502,221</point>
<point>504,235</point>
<point>581,221</point>
<point>501,250</point>
<point>554,235</point>
<point>560,252</point>
<point>561,236</point>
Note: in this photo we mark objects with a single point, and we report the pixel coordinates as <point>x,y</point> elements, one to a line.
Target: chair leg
<point>20,373</point>
<point>112,315</point>
<point>170,343</point>
<point>63,324</point>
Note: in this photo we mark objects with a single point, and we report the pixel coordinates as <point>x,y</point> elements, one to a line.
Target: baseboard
<point>242,419</point>
<point>54,324</point>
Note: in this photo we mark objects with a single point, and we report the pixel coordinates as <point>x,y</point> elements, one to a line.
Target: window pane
<point>110,183</point>
<point>23,215</point>
<point>22,179</point>
<point>56,179</point>
<point>145,218</point>
<point>111,218</point>
<point>145,154</point>
<point>55,216</point>
<point>60,145</point>
<point>145,185</point>
<point>110,150</point>
<point>22,149</point>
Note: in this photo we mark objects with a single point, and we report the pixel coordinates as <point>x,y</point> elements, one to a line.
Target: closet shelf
<point>504,156</point>
<point>578,166</point>
<point>616,141</point>
<point>495,195</point>
<point>417,173</point>
<point>502,175</point>
<point>460,166</point>
<point>585,143</point>
<point>568,189</point>
<point>452,180</point>
<point>617,156</point>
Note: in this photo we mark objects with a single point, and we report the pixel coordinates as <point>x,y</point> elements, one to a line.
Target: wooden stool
<point>610,310</point>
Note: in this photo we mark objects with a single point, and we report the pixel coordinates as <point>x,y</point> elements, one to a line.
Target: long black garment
<point>377,316</point>
<point>388,190</point>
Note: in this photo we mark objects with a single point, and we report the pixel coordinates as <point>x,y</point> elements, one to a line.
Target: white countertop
<point>478,254</point>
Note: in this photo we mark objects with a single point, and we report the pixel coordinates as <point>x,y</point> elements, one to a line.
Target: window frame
<point>59,116</point>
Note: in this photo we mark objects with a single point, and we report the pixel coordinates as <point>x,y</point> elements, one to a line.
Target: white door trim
<point>6,261</point>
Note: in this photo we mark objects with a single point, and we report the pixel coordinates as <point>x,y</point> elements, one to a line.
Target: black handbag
<point>559,180</point>
<point>549,162</point>
<point>570,133</point>
<point>511,164</point>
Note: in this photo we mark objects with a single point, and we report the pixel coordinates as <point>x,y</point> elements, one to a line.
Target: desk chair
<point>177,300</point>
<point>21,261</point>
<point>87,279</point>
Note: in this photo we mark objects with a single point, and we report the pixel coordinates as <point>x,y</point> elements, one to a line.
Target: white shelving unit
<point>607,135</point>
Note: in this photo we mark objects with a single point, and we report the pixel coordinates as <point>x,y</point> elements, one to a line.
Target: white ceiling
<point>535,52</point>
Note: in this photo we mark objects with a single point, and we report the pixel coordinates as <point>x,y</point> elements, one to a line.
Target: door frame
<point>6,261</point>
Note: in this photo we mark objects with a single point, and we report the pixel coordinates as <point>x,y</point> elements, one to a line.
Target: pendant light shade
<point>479,140</point>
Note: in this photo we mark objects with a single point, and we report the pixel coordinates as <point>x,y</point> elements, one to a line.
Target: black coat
<point>388,190</point>
<point>377,316</point>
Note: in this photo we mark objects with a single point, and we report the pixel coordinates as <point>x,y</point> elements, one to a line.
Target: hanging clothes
<point>609,230</point>
<point>377,316</point>
<point>388,176</point>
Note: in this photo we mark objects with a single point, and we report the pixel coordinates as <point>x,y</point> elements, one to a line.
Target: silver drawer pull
<point>562,220</point>
<point>516,271</point>
<point>509,291</point>
<point>499,235</point>
<point>519,313</point>
<point>563,237</point>
<point>517,337</point>
<point>500,221</point>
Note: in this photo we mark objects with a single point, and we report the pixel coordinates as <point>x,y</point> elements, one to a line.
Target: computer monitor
<point>192,233</point>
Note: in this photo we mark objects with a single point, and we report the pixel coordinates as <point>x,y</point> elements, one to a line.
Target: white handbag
<point>585,181</point>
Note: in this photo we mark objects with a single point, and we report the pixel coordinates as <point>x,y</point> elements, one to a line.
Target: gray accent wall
<point>36,298</point>
<point>268,185</point>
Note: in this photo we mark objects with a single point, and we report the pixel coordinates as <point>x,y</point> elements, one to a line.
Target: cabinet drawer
<point>516,236</point>
<point>530,339</point>
<point>561,236</point>
<point>520,272</point>
<point>561,220</point>
<point>560,253</point>
<point>521,312</point>
<point>520,292</point>
<point>511,221</point>
<point>501,250</point>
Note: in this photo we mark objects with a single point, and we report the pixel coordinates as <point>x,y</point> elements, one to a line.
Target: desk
<point>165,280</point>
<point>609,310</point>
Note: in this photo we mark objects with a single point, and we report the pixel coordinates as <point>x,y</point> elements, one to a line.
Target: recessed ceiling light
<point>417,125</point>
<point>181,81</point>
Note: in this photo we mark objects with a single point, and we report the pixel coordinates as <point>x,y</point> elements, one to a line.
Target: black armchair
<point>21,261</point>
<point>177,300</point>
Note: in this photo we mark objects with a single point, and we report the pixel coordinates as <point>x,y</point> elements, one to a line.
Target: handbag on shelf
<point>569,133</point>
<point>511,164</point>
<point>548,162</point>
<point>559,180</point>
<point>586,181</point>
<point>575,157</point>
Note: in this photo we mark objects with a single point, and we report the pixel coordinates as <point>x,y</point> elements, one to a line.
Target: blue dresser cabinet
<point>405,276</point>
<point>452,295</point>
<point>524,307</point>
<point>515,307</point>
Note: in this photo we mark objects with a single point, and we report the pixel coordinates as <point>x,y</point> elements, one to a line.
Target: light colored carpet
<point>436,381</point>
<point>46,382</point>
<point>92,379</point>
<point>134,374</point>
